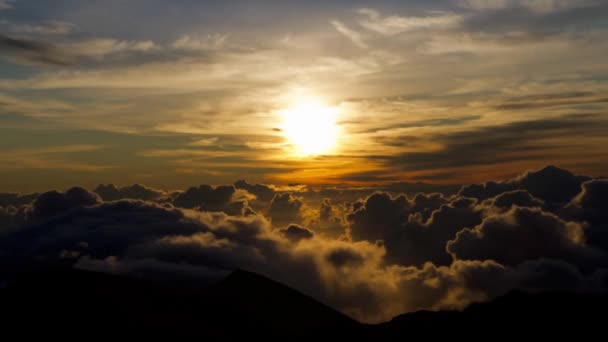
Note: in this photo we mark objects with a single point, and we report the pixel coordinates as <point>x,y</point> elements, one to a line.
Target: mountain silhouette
<point>73,304</point>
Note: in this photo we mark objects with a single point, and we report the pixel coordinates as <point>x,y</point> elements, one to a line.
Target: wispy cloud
<point>50,158</point>
<point>5,4</point>
<point>51,27</point>
<point>353,35</point>
<point>391,25</point>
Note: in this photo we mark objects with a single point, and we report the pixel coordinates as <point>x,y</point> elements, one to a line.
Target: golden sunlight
<point>311,127</point>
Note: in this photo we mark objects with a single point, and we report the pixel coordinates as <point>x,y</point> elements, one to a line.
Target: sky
<point>172,94</point>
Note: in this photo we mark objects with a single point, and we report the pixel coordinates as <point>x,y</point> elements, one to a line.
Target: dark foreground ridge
<point>80,305</point>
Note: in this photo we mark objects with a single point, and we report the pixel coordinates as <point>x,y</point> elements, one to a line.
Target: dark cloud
<point>449,251</point>
<point>261,191</point>
<point>491,145</point>
<point>591,206</point>
<point>345,257</point>
<point>540,184</point>
<point>53,203</point>
<point>520,198</point>
<point>413,231</point>
<point>16,200</point>
<point>425,204</point>
<point>417,241</point>
<point>378,216</point>
<point>594,195</point>
<point>12,218</point>
<point>550,103</point>
<point>110,192</point>
<point>34,52</point>
<point>519,235</point>
<point>206,198</point>
<point>285,209</point>
<point>541,18</point>
<point>326,210</point>
<point>448,121</point>
<point>295,233</point>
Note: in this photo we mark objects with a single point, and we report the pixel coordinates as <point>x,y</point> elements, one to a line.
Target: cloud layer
<point>395,254</point>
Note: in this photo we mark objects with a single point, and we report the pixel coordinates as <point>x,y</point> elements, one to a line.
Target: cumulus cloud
<point>262,192</point>
<point>15,199</point>
<point>519,235</point>
<point>53,203</point>
<point>296,233</point>
<point>428,252</point>
<point>520,198</point>
<point>417,241</point>
<point>110,192</point>
<point>413,231</point>
<point>540,184</point>
<point>140,237</point>
<point>285,208</point>
<point>377,216</point>
<point>591,206</point>
<point>224,198</point>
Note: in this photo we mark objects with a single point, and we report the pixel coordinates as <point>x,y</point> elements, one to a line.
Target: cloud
<point>539,183</point>
<point>591,205</point>
<point>16,200</point>
<point>406,254</point>
<point>354,36</point>
<point>51,27</point>
<point>100,48</point>
<point>492,145</point>
<point>262,192</point>
<point>285,208</point>
<point>425,204</point>
<point>147,239</point>
<point>436,252</point>
<point>377,216</point>
<point>537,6</point>
<point>520,198</point>
<point>297,233</point>
<point>593,195</point>
<point>53,203</point>
<point>519,235</point>
<point>5,4</point>
<point>412,233</point>
<point>417,241</point>
<point>529,102</point>
<point>210,42</point>
<point>34,52</point>
<point>206,198</point>
<point>12,218</point>
<point>50,158</point>
<point>392,25</point>
<point>484,4</point>
<point>109,192</point>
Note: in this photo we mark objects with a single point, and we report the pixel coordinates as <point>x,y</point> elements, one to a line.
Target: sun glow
<point>310,126</point>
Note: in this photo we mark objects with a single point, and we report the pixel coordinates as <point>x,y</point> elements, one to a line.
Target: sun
<point>311,127</point>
